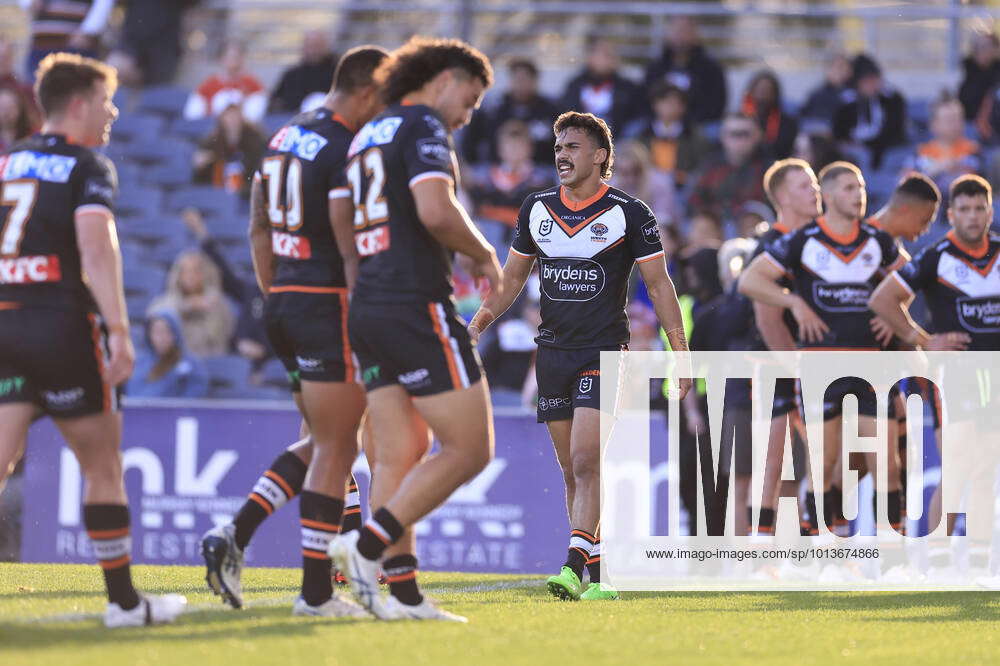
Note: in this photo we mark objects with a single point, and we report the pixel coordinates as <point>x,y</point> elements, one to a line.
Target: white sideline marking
<point>281,601</point>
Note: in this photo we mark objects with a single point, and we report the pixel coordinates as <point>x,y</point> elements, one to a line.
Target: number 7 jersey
<point>400,261</point>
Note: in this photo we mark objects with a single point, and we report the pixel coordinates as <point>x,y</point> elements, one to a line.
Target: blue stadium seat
<point>228,371</point>
<point>249,393</point>
<point>152,151</point>
<point>192,130</point>
<point>152,229</point>
<point>211,201</point>
<point>273,121</point>
<point>171,175</point>
<point>143,279</point>
<point>895,159</point>
<point>168,100</point>
<point>137,127</point>
<point>136,305</point>
<point>138,200</point>
<point>274,374</point>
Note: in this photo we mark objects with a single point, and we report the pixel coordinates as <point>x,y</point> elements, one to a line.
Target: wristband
<point>483,318</point>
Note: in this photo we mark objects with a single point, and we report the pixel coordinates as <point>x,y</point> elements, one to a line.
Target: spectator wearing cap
<point>763,101</point>
<point>599,89</point>
<point>949,154</point>
<point>735,176</point>
<point>686,64</point>
<point>232,85</point>
<point>981,72</point>
<point>73,26</point>
<point>676,147</point>
<point>522,102</point>
<point>873,116</point>
<point>304,86</point>
<point>825,99</point>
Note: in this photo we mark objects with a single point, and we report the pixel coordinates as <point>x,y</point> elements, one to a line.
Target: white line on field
<point>268,602</point>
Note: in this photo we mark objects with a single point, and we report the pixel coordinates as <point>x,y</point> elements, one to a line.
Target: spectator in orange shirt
<point>675,145</point>
<point>763,102</point>
<point>228,156</point>
<point>950,153</point>
<point>233,85</point>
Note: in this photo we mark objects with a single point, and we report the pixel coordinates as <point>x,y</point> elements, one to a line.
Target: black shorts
<point>308,331</point>
<point>423,347</point>
<point>833,399</point>
<point>567,379</point>
<point>53,358</point>
<point>785,389</point>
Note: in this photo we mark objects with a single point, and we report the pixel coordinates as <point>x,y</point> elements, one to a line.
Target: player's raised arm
<point>101,261</point>
<point>261,248</point>
<point>443,216</point>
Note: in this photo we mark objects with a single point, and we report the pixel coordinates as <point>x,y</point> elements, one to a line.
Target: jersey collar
<point>837,238</point>
<point>580,205</point>
<point>977,252</point>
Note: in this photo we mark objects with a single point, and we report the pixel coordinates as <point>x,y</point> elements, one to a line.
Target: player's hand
<point>811,327</point>
<point>883,332</point>
<point>683,387</point>
<point>119,367</point>
<point>487,269</point>
<point>953,341</point>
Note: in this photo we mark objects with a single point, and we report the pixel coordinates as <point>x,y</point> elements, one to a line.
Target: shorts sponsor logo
<point>842,297</point>
<point>375,133</point>
<point>290,246</point>
<point>371,374</point>
<point>566,279</point>
<point>11,386</point>
<point>42,166</point>
<point>24,270</point>
<point>434,151</point>
<point>651,233</point>
<point>979,315</point>
<point>63,399</point>
<point>308,363</point>
<point>372,241</point>
<point>586,383</point>
<point>546,335</point>
<point>415,378</point>
<point>545,404</point>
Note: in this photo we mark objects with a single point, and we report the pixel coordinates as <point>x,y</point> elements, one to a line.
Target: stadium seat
<point>895,159</point>
<point>142,279</point>
<point>273,122</point>
<point>211,201</point>
<point>168,100</point>
<point>274,374</point>
<point>249,392</point>
<point>137,200</point>
<point>156,151</point>
<point>153,229</point>
<point>228,371</point>
<point>137,127</point>
<point>171,175</point>
<point>192,130</point>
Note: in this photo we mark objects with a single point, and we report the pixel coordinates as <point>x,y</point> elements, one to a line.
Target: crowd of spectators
<point>688,147</point>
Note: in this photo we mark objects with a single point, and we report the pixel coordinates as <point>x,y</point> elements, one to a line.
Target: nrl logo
<point>545,228</point>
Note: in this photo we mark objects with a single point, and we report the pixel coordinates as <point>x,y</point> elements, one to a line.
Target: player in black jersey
<point>64,338</point>
<point>301,224</point>
<point>958,277</point>
<point>586,237</point>
<point>835,262</point>
<point>418,364</point>
<point>793,190</point>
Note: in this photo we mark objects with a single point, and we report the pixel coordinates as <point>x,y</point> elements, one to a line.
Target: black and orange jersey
<point>836,275</point>
<point>302,169</point>
<point>586,251</point>
<point>400,261</point>
<point>775,232</point>
<point>962,287</point>
<point>44,182</point>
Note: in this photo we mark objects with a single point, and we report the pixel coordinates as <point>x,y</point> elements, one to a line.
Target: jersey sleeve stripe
<point>649,257</point>
<point>93,208</point>
<point>339,193</point>
<point>901,281</point>
<point>427,175</point>
<point>522,254</point>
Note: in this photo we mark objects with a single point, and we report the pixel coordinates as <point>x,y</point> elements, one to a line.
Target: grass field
<point>49,615</point>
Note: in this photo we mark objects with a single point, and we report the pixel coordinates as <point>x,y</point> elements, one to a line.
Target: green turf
<point>517,623</point>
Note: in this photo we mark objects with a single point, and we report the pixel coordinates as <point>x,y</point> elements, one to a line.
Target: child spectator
<point>675,145</point>
<point>228,156</point>
<point>164,369</point>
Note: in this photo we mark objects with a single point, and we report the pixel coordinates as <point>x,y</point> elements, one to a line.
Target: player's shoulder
<point>397,123</point>
<point>307,134</point>
<point>541,195</point>
<point>633,206</point>
<point>52,159</point>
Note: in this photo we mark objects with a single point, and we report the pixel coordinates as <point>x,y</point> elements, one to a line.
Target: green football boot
<point>566,585</point>
<point>595,593</point>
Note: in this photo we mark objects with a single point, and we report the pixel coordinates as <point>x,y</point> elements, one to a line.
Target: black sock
<point>108,528</point>
<point>401,570</point>
<point>352,508</point>
<point>280,483</point>
<point>378,534</point>
<point>594,563</point>
<point>813,521</point>
<point>766,523</point>
<point>835,498</point>
<point>320,524</point>
<point>580,544</point>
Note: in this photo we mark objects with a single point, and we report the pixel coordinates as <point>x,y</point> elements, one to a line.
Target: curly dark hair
<point>419,60</point>
<point>596,129</point>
